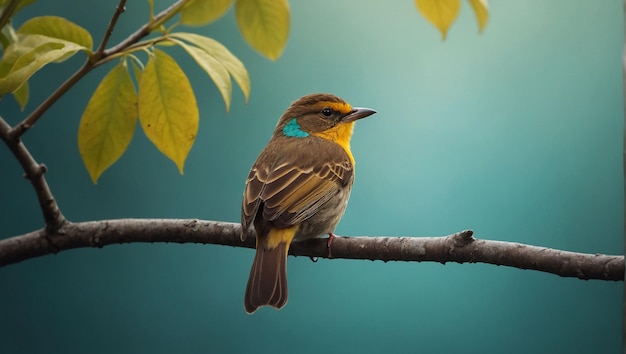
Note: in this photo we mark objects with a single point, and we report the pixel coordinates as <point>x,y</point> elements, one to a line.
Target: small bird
<point>297,189</point>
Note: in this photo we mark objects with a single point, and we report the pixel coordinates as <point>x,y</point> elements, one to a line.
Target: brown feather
<point>267,284</point>
<point>300,185</point>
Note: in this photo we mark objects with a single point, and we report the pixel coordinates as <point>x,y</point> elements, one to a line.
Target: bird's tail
<point>267,284</point>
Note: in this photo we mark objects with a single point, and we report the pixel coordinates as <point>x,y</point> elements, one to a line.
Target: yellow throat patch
<point>340,134</point>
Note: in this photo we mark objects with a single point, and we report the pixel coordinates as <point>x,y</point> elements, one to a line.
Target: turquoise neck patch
<point>293,130</point>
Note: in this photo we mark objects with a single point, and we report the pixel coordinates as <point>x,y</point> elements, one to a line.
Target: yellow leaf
<point>202,12</point>
<point>264,24</point>
<point>21,95</point>
<point>441,13</point>
<point>216,49</point>
<point>109,121</point>
<point>168,112</point>
<point>58,27</point>
<point>481,10</point>
<point>213,68</point>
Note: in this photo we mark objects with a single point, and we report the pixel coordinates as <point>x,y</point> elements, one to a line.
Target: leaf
<point>216,49</point>
<point>21,95</point>
<point>60,28</point>
<point>441,13</point>
<point>202,12</point>
<point>264,24</point>
<point>481,10</point>
<point>168,112</point>
<point>25,57</point>
<point>213,68</point>
<point>108,123</point>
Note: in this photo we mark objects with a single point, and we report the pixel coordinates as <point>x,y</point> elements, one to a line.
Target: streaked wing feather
<point>291,193</point>
<point>251,197</point>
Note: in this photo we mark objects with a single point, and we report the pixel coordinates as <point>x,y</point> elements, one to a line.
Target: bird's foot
<point>331,237</point>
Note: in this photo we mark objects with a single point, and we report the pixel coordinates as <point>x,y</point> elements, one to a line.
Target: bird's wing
<point>293,190</point>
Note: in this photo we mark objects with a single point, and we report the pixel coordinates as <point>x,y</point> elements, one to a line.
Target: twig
<point>8,12</point>
<point>461,247</point>
<point>121,7</point>
<point>145,29</point>
<point>34,172</point>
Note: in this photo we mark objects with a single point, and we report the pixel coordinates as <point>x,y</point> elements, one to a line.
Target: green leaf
<point>217,50</point>
<point>213,68</point>
<point>60,28</point>
<point>25,57</point>
<point>264,24</point>
<point>202,12</point>
<point>109,122</point>
<point>481,10</point>
<point>168,112</point>
<point>441,13</point>
<point>21,95</point>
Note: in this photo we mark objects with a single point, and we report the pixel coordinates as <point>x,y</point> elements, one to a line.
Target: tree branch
<point>98,58</point>
<point>460,247</point>
<point>28,123</point>
<point>34,172</point>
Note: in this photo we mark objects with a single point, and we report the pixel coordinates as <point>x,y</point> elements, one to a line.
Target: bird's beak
<point>357,113</point>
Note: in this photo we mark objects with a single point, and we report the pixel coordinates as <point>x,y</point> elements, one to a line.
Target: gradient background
<point>516,133</point>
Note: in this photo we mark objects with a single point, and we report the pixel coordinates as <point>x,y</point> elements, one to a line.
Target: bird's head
<point>323,115</point>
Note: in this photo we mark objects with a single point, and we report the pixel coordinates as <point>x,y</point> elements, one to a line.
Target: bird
<point>297,189</point>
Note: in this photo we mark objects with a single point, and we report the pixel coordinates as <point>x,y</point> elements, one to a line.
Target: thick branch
<point>34,172</point>
<point>461,247</point>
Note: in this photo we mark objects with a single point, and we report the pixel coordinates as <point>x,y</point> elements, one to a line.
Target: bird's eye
<point>327,112</point>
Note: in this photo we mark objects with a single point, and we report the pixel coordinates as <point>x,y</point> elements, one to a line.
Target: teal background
<point>515,133</point>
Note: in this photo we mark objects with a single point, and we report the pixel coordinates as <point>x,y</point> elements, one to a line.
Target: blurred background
<point>515,133</point>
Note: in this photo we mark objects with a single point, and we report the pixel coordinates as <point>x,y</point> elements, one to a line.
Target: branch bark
<point>34,172</point>
<point>460,247</point>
